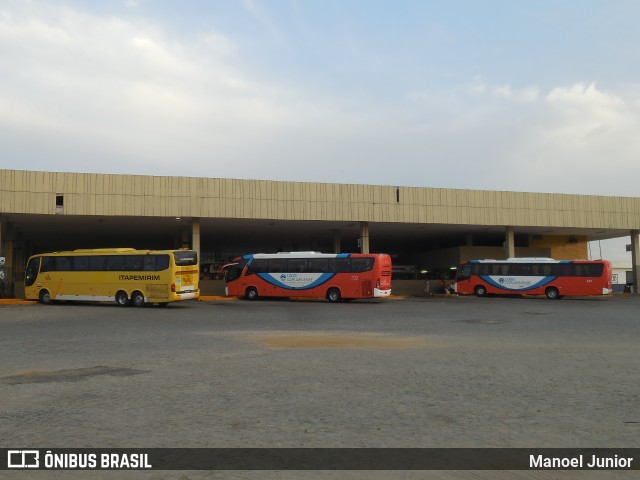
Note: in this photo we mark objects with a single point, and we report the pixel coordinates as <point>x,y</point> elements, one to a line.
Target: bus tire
<point>251,293</point>
<point>480,291</point>
<point>45,297</point>
<point>137,299</point>
<point>552,293</point>
<point>122,299</point>
<point>333,295</point>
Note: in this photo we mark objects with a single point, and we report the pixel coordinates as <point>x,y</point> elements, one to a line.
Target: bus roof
<point>297,255</point>
<point>102,251</point>
<point>304,255</point>
<point>530,260</point>
<point>519,260</point>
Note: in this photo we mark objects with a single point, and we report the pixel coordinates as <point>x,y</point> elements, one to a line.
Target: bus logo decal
<point>296,281</point>
<point>140,277</point>
<point>520,284</point>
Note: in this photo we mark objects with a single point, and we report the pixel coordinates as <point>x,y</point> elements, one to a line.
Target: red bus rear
<point>343,276</point>
<point>534,276</point>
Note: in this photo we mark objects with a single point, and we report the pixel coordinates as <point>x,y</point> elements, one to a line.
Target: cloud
<point>81,92</point>
<point>586,134</point>
<point>263,18</point>
<point>126,87</point>
<point>575,139</point>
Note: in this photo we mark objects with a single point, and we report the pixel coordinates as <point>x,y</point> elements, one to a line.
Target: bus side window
<point>595,269</point>
<point>80,263</point>
<point>361,264</point>
<point>97,263</point>
<point>115,263</point>
<point>297,265</point>
<point>48,264</point>
<point>338,265</point>
<point>318,265</point>
<point>133,263</point>
<point>155,263</point>
<point>257,266</point>
<point>63,264</point>
<point>277,265</point>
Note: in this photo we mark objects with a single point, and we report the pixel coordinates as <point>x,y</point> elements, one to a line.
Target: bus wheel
<point>45,297</point>
<point>252,293</point>
<point>480,291</point>
<point>552,293</point>
<point>333,295</point>
<point>137,299</point>
<point>122,299</point>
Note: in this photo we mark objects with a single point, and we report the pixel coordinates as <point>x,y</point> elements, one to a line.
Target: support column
<point>364,237</point>
<point>2,284</point>
<point>635,259</point>
<point>184,243</point>
<point>510,244</point>
<point>336,240</point>
<point>7,251</point>
<point>195,236</point>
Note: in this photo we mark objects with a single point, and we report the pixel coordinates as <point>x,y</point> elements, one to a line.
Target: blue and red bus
<point>336,277</point>
<point>534,276</point>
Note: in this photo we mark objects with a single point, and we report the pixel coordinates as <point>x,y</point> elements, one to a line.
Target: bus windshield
<point>232,272</point>
<point>464,272</point>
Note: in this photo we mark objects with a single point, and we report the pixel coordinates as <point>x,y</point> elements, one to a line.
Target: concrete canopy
<point>45,211</point>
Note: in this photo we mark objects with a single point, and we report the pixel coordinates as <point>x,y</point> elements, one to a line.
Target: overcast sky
<point>539,95</point>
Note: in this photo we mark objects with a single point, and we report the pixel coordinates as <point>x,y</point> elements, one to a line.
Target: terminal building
<point>427,231</point>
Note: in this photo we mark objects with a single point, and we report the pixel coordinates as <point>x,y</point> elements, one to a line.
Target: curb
<point>16,301</point>
<point>211,298</point>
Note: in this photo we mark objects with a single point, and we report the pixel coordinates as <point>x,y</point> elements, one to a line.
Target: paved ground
<point>433,372</point>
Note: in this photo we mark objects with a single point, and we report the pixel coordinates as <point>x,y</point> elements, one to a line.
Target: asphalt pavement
<point>414,372</point>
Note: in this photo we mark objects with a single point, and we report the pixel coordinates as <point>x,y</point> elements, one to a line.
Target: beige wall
<point>563,247</point>
<point>98,194</point>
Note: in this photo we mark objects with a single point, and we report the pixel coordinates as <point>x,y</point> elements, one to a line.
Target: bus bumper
<point>187,295</point>
<point>607,291</point>
<point>377,293</point>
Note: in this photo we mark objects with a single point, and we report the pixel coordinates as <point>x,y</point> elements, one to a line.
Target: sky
<point>533,95</point>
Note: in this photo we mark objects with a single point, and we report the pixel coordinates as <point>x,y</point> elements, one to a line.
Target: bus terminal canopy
<point>49,211</point>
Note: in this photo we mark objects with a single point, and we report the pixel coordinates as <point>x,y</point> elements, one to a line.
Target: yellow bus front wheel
<point>45,297</point>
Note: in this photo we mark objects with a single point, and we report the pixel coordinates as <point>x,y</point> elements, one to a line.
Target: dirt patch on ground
<point>71,375</point>
<point>339,340</point>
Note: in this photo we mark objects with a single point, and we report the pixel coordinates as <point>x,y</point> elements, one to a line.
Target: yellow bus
<point>122,275</point>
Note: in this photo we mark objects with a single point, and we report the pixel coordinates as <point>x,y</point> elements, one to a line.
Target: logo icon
<point>23,459</point>
<point>283,277</point>
<point>501,280</point>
